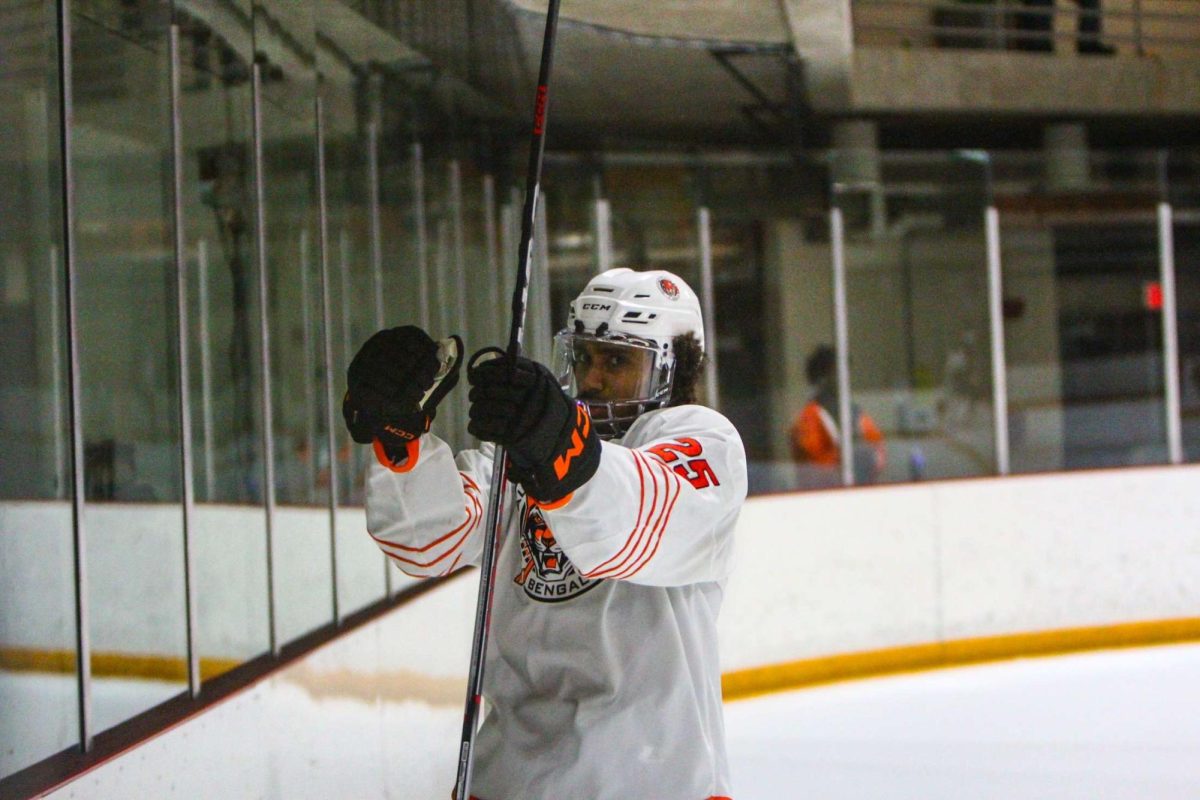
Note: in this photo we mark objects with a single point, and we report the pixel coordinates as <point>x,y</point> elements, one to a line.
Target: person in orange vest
<point>815,435</point>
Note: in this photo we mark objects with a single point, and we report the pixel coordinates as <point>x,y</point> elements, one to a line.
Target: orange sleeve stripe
<point>450,569</point>
<point>423,565</point>
<point>640,525</point>
<point>412,449</point>
<point>660,529</point>
<point>646,541</point>
<point>427,564</point>
<point>472,518</point>
<point>474,500</point>
<point>655,522</point>
<point>637,523</point>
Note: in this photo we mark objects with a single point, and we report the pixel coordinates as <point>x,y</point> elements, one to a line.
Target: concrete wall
<point>892,78</point>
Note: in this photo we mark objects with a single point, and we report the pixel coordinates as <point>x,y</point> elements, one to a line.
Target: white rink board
<point>846,571</point>
<point>818,574</point>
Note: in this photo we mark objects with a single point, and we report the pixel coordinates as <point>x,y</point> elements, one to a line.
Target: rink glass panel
<point>769,242</point>
<point>285,48</point>
<point>346,110</point>
<point>229,567</point>
<point>127,346</point>
<point>570,188</point>
<point>479,301</point>
<point>762,239</point>
<point>446,309</point>
<point>482,304</point>
<point>917,315</point>
<point>653,219</point>
<point>1184,195</point>
<point>1080,249</point>
<point>38,705</point>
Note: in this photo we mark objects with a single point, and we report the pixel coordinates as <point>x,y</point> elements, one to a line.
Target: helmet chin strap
<point>611,419</point>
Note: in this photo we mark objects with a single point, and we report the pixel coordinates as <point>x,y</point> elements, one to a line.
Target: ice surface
<point>1117,724</point>
<point>1100,726</point>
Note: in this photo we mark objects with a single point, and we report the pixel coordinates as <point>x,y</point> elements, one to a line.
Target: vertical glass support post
<point>83,644</point>
<point>327,354</point>
<point>458,238</point>
<point>996,327</point>
<point>206,390</point>
<point>376,226</point>
<point>375,222</point>
<point>541,288</point>
<point>442,278</point>
<point>491,250</point>
<point>61,456</point>
<point>346,312</point>
<point>418,178</point>
<point>260,213</point>
<point>707,303</point>
<point>183,357</point>
<point>508,248</point>
<point>310,389</point>
<point>462,322</point>
<point>1170,332</point>
<point>602,234</point>
<point>841,325</point>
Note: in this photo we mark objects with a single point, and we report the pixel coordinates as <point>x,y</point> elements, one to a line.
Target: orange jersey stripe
<point>634,541</point>
<point>636,546</point>
<point>636,525</point>
<point>661,527</point>
<point>469,485</point>
<point>472,518</point>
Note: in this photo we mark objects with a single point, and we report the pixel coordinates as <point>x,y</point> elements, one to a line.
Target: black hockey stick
<point>491,541</point>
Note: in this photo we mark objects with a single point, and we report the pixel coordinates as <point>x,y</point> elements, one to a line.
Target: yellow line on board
<point>111,665</point>
<point>736,685</point>
<point>741,684</point>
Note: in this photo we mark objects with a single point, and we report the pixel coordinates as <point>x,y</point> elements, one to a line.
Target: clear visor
<point>610,369</point>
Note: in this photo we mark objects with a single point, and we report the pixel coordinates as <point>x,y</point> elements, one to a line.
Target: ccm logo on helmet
<point>597,307</point>
<point>669,288</point>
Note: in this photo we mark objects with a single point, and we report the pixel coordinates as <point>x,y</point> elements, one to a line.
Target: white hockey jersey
<point>602,676</point>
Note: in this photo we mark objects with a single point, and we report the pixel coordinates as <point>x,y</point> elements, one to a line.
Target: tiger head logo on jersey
<point>548,575</point>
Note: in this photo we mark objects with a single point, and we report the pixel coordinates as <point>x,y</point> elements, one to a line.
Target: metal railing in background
<point>1088,27</point>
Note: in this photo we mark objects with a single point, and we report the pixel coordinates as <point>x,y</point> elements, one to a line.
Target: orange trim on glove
<point>562,501</point>
<point>412,451</point>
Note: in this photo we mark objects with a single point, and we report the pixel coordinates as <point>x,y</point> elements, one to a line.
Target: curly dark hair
<point>689,366</point>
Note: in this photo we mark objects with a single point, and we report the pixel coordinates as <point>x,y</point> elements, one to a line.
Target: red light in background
<point>1152,295</point>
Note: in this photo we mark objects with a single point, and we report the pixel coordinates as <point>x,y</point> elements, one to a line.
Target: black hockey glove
<point>388,397</point>
<point>549,437</point>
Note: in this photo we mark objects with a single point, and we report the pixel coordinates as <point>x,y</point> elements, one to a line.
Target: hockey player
<point>602,677</point>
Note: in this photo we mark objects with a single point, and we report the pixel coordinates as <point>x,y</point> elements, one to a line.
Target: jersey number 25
<point>692,468</point>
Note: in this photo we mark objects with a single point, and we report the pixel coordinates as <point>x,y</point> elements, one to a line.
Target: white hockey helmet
<point>617,352</point>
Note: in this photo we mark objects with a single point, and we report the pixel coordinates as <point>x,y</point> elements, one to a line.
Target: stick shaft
<point>494,521</point>
<point>533,180</point>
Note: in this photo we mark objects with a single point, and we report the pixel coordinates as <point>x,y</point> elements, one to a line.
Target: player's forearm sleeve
<point>428,519</point>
